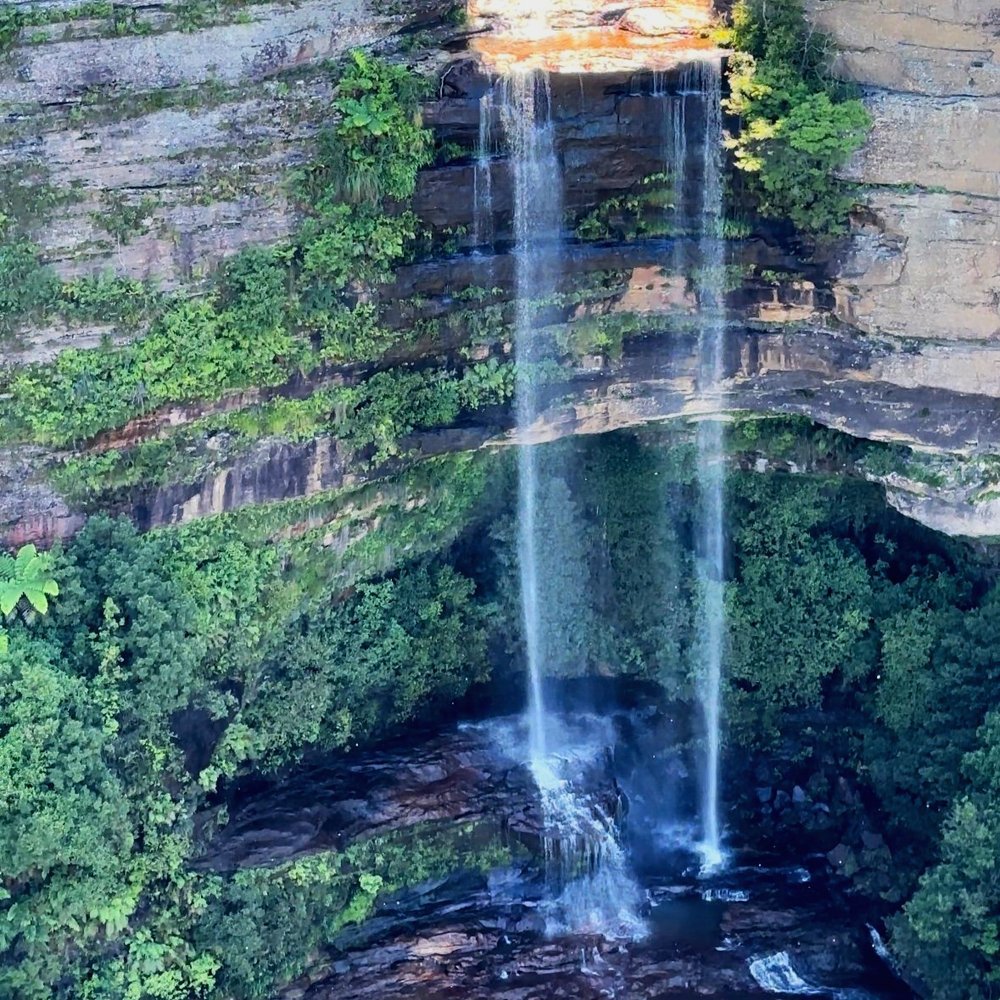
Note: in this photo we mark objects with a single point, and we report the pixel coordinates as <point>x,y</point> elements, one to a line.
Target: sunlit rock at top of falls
<point>592,36</point>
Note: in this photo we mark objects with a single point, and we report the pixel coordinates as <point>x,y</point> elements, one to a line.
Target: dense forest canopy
<point>170,663</point>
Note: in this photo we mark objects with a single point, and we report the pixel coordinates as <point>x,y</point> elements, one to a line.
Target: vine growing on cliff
<point>799,127</point>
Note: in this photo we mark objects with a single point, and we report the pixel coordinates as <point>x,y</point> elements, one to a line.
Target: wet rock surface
<point>482,936</point>
<point>461,776</point>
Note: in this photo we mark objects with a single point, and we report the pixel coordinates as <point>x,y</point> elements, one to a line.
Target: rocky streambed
<point>762,925</point>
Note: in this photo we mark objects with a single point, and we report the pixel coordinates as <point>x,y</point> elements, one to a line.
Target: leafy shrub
<point>26,287</point>
<point>798,128</point>
<point>101,297</point>
<point>379,145</point>
<point>344,244</point>
<point>11,23</point>
<point>949,932</point>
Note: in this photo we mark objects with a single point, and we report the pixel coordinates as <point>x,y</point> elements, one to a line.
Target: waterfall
<point>525,113</point>
<point>593,891</point>
<point>776,974</point>
<point>710,287</point>
<point>482,177</point>
<point>697,197</point>
<point>587,878</point>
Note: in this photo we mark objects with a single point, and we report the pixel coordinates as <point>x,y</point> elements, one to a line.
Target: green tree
<point>67,835</point>
<point>949,933</point>
<point>353,669</point>
<point>27,576</point>
<point>797,129</point>
<point>799,604</point>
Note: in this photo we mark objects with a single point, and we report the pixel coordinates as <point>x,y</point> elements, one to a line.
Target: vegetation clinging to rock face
<point>797,126</point>
<point>272,311</point>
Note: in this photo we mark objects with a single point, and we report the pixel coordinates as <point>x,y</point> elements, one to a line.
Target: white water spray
<point>590,887</point>
<point>697,213</point>
<point>776,974</point>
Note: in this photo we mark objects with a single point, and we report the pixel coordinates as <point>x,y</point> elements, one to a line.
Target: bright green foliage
<point>10,26</point>
<point>396,403</point>
<point>197,349</point>
<point>26,287</point>
<point>354,670</point>
<point>253,288</point>
<point>350,334</point>
<point>345,244</point>
<point>949,932</point>
<point>797,130</point>
<point>107,297</point>
<point>800,603</point>
<point>67,834</point>
<point>379,144</point>
<point>29,575</point>
<point>375,416</point>
<point>177,661</point>
<point>938,666</point>
<point>640,213</point>
<point>170,661</point>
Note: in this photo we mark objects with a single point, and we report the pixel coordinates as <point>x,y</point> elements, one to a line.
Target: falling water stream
<point>698,250</point>
<point>711,457</point>
<point>482,178</point>
<point>587,869</point>
<point>525,114</point>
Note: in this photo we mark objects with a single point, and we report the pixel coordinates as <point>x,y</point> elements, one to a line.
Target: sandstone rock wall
<point>926,261</point>
<point>901,344</point>
<point>203,126</point>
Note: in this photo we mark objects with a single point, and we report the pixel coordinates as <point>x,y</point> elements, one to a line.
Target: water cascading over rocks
<point>589,885</point>
<point>482,178</point>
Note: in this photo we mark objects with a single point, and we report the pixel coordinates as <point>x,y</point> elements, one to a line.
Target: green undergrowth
<point>649,209</point>
<point>370,421</point>
<point>270,313</point>
<point>117,19</point>
<point>331,540</point>
<point>799,126</point>
<point>254,632</point>
<point>266,925</point>
<point>642,212</point>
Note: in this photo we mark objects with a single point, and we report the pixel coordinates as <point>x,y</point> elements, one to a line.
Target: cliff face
<point>926,263</point>
<point>200,123</point>
<point>197,126</point>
